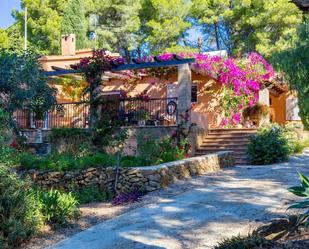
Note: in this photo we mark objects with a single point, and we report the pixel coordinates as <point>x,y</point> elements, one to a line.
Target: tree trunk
<point>217,36</point>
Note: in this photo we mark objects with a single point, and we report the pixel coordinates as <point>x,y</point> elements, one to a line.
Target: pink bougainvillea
<point>241,78</point>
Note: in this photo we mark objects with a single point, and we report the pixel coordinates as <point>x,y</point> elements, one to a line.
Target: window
<point>194,93</point>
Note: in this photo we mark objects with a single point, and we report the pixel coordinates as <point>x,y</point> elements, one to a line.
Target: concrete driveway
<point>216,206</point>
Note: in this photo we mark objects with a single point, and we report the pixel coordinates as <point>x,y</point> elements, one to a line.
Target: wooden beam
<point>169,63</point>
<point>61,72</point>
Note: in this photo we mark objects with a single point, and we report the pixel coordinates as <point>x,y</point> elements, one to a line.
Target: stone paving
<point>210,208</point>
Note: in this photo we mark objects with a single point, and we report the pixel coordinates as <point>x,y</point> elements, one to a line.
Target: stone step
<point>239,134</point>
<point>236,150</point>
<point>229,136</point>
<point>235,140</point>
<point>232,131</point>
<point>223,145</point>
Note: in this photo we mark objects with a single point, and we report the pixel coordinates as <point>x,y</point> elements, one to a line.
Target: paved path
<point>219,205</point>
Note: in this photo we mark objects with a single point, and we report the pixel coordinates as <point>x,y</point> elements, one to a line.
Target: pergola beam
<point>176,61</point>
<point>144,65</point>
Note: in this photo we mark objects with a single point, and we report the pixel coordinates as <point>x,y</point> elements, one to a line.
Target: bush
<point>298,146</point>
<point>57,207</point>
<point>8,156</point>
<point>20,210</point>
<point>246,242</point>
<point>98,159</point>
<point>155,151</point>
<point>65,162</point>
<point>71,141</point>
<point>92,193</point>
<point>269,145</point>
<point>132,161</point>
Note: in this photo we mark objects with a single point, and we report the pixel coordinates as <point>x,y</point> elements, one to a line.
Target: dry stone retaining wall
<point>147,178</point>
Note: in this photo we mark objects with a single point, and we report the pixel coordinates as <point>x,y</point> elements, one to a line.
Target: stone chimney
<point>68,44</point>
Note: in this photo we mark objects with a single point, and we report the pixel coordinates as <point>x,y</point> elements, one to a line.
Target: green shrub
<point>65,162</point>
<point>98,159</point>
<point>246,242</point>
<point>299,146</point>
<point>71,141</point>
<point>269,145</point>
<point>58,162</point>
<point>92,193</point>
<point>20,210</point>
<point>148,149</point>
<point>132,161</point>
<point>154,151</point>
<point>302,191</point>
<point>58,207</point>
<point>8,156</point>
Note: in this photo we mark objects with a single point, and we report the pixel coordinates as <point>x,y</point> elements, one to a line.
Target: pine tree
<point>164,23</point>
<point>294,62</point>
<point>74,22</point>
<point>247,25</point>
<point>4,39</point>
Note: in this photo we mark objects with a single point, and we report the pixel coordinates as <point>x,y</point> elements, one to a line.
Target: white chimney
<point>68,44</point>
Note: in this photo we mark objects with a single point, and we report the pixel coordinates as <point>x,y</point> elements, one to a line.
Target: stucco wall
<point>278,108</point>
<point>206,109</point>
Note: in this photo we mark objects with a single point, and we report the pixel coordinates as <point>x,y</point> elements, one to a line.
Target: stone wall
<point>147,178</point>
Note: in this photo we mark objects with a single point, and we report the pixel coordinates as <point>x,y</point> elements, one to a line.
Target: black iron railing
<point>149,112</point>
<point>130,112</point>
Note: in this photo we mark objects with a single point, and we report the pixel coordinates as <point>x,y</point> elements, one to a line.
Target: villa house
<point>158,99</point>
<point>162,88</point>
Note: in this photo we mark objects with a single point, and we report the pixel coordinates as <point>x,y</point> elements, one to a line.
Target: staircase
<point>235,140</point>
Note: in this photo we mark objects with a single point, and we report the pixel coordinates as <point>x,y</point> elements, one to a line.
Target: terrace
<point>127,112</point>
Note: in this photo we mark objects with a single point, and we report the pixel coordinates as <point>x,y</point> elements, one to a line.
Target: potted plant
<point>142,116</point>
<point>256,112</point>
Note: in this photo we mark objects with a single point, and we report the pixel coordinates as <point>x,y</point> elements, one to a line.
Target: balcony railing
<point>128,112</point>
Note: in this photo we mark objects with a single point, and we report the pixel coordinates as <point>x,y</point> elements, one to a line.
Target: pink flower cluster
<point>243,76</point>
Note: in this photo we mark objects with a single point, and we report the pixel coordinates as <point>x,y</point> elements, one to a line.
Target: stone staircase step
<point>235,140</point>
<point>229,136</point>
<point>222,145</point>
<point>232,131</point>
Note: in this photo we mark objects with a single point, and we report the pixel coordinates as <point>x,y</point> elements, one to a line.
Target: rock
<point>150,189</point>
<point>155,177</point>
<point>154,184</point>
<point>135,179</point>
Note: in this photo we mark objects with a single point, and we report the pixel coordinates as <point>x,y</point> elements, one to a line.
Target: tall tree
<point>4,39</point>
<point>44,23</point>
<point>212,16</point>
<point>74,21</point>
<point>294,62</point>
<point>164,23</point>
<point>22,82</point>
<point>118,24</point>
<point>247,25</point>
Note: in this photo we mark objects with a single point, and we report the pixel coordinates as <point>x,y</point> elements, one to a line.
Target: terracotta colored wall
<point>278,108</point>
<point>208,93</point>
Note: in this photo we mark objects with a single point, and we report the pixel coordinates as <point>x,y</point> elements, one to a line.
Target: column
<point>264,100</point>
<point>184,93</point>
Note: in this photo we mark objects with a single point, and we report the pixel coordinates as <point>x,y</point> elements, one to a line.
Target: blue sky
<point>5,12</point>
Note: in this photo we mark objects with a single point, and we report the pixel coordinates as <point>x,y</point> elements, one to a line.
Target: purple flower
<point>236,118</point>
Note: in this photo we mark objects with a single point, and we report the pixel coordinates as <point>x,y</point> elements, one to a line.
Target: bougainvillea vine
<point>241,78</point>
